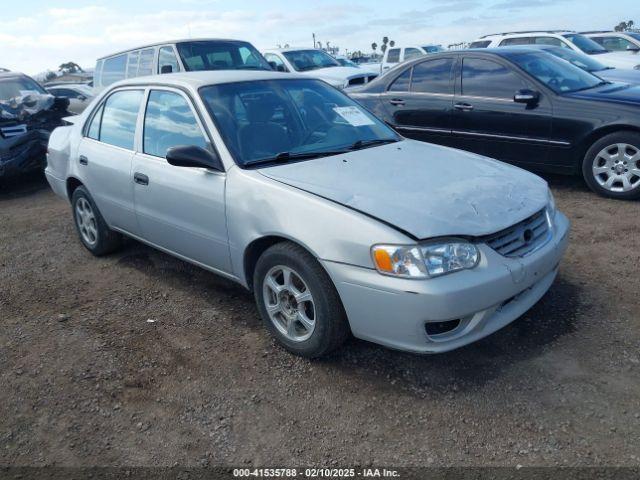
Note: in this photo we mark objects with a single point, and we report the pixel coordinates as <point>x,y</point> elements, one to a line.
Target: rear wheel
<point>93,231</point>
<point>611,167</point>
<point>298,302</point>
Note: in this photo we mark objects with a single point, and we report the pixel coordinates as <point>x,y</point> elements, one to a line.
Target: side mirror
<point>82,98</point>
<point>166,69</point>
<point>633,48</point>
<point>273,65</point>
<point>529,97</point>
<point>192,156</point>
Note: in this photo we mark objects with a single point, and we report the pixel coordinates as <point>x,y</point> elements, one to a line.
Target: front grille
<point>13,131</point>
<point>522,238</point>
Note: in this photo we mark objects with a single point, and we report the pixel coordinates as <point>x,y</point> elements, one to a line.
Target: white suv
<point>560,38</point>
<point>616,41</point>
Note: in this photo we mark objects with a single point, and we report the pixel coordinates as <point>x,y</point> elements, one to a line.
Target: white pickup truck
<point>396,55</point>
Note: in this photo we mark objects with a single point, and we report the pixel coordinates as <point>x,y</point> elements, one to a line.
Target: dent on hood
<point>424,190</point>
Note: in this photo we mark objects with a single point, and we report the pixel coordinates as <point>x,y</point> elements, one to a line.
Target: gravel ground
<point>141,359</point>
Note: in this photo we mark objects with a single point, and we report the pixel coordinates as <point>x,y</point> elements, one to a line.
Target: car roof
<point>170,42</point>
<point>196,80</point>
<point>525,33</point>
<point>11,75</point>
<point>292,49</point>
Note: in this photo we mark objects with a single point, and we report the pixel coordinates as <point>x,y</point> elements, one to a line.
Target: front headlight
<point>551,207</point>
<point>425,261</point>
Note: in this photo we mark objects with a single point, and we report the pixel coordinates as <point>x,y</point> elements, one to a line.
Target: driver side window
<point>485,78</point>
<point>168,122</point>
<point>275,59</point>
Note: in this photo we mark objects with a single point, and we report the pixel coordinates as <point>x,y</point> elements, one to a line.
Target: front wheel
<point>611,167</point>
<point>298,302</point>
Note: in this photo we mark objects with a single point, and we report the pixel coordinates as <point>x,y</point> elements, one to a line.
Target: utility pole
<point>314,40</point>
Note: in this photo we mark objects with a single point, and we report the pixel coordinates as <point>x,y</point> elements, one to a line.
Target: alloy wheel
<point>617,167</point>
<point>86,220</point>
<point>289,303</point>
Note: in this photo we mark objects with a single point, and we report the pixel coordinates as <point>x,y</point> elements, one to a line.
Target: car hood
<point>620,75</point>
<point>621,93</point>
<point>422,189</point>
<point>337,74</point>
<point>618,59</point>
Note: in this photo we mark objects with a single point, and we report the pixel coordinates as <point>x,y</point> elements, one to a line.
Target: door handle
<point>397,102</point>
<point>83,160</point>
<point>465,107</point>
<point>140,179</point>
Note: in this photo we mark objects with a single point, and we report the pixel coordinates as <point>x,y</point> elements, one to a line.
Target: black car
<point>519,105</point>
<point>28,115</point>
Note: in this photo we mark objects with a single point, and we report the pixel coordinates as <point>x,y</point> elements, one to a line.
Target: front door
<point>180,209</point>
<point>488,121</point>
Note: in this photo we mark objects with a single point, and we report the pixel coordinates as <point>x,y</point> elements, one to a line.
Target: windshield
<point>433,49</point>
<point>585,44</point>
<point>346,63</point>
<point>305,60</point>
<point>19,86</point>
<point>220,55</point>
<point>261,120</point>
<point>580,60</point>
<point>557,74</point>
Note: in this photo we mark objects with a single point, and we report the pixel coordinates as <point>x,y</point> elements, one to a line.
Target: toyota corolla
<point>337,224</point>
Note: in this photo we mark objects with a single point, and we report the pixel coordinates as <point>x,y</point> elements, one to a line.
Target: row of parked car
<point>318,195</point>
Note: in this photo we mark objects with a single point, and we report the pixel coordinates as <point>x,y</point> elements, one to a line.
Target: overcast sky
<point>40,34</point>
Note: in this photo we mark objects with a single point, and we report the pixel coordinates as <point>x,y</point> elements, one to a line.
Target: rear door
<point>180,209</point>
<point>486,120</point>
<point>105,155</point>
<point>420,100</point>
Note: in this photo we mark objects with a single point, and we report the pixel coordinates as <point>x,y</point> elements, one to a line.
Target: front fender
<point>260,207</point>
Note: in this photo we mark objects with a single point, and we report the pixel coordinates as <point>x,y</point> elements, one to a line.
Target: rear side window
<point>393,56</point>
<point>412,53</point>
<point>169,121</point>
<point>94,128</point>
<point>556,42</point>
<point>433,76</point>
<point>401,84</point>
<point>480,44</point>
<point>119,118</point>
<point>145,67</point>
<point>114,69</point>
<point>485,78</point>
<point>132,64</point>
<point>515,41</point>
<point>167,58</point>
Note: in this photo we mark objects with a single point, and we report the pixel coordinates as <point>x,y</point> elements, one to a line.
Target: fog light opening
<point>440,328</point>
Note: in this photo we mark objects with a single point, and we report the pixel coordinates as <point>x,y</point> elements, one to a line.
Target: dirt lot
<point>88,380</point>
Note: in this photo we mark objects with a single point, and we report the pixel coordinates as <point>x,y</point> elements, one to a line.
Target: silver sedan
<point>288,187</point>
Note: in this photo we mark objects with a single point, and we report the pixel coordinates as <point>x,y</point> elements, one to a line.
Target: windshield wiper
<point>284,157</point>
<point>360,144</point>
<point>600,84</point>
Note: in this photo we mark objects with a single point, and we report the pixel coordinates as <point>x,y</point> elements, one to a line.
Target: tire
<point>330,326</point>
<point>618,174</point>
<point>93,231</point>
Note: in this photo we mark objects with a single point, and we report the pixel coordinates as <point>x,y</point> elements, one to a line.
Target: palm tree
<point>630,24</point>
<point>374,46</point>
<point>385,41</point>
<point>392,43</point>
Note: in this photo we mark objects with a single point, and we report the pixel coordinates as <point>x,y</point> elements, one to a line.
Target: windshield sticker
<point>354,116</point>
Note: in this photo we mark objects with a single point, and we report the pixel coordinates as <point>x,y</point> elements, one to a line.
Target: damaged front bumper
<point>23,153</point>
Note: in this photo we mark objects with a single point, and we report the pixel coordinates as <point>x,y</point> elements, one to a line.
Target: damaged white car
<point>290,188</point>
<point>28,114</point>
